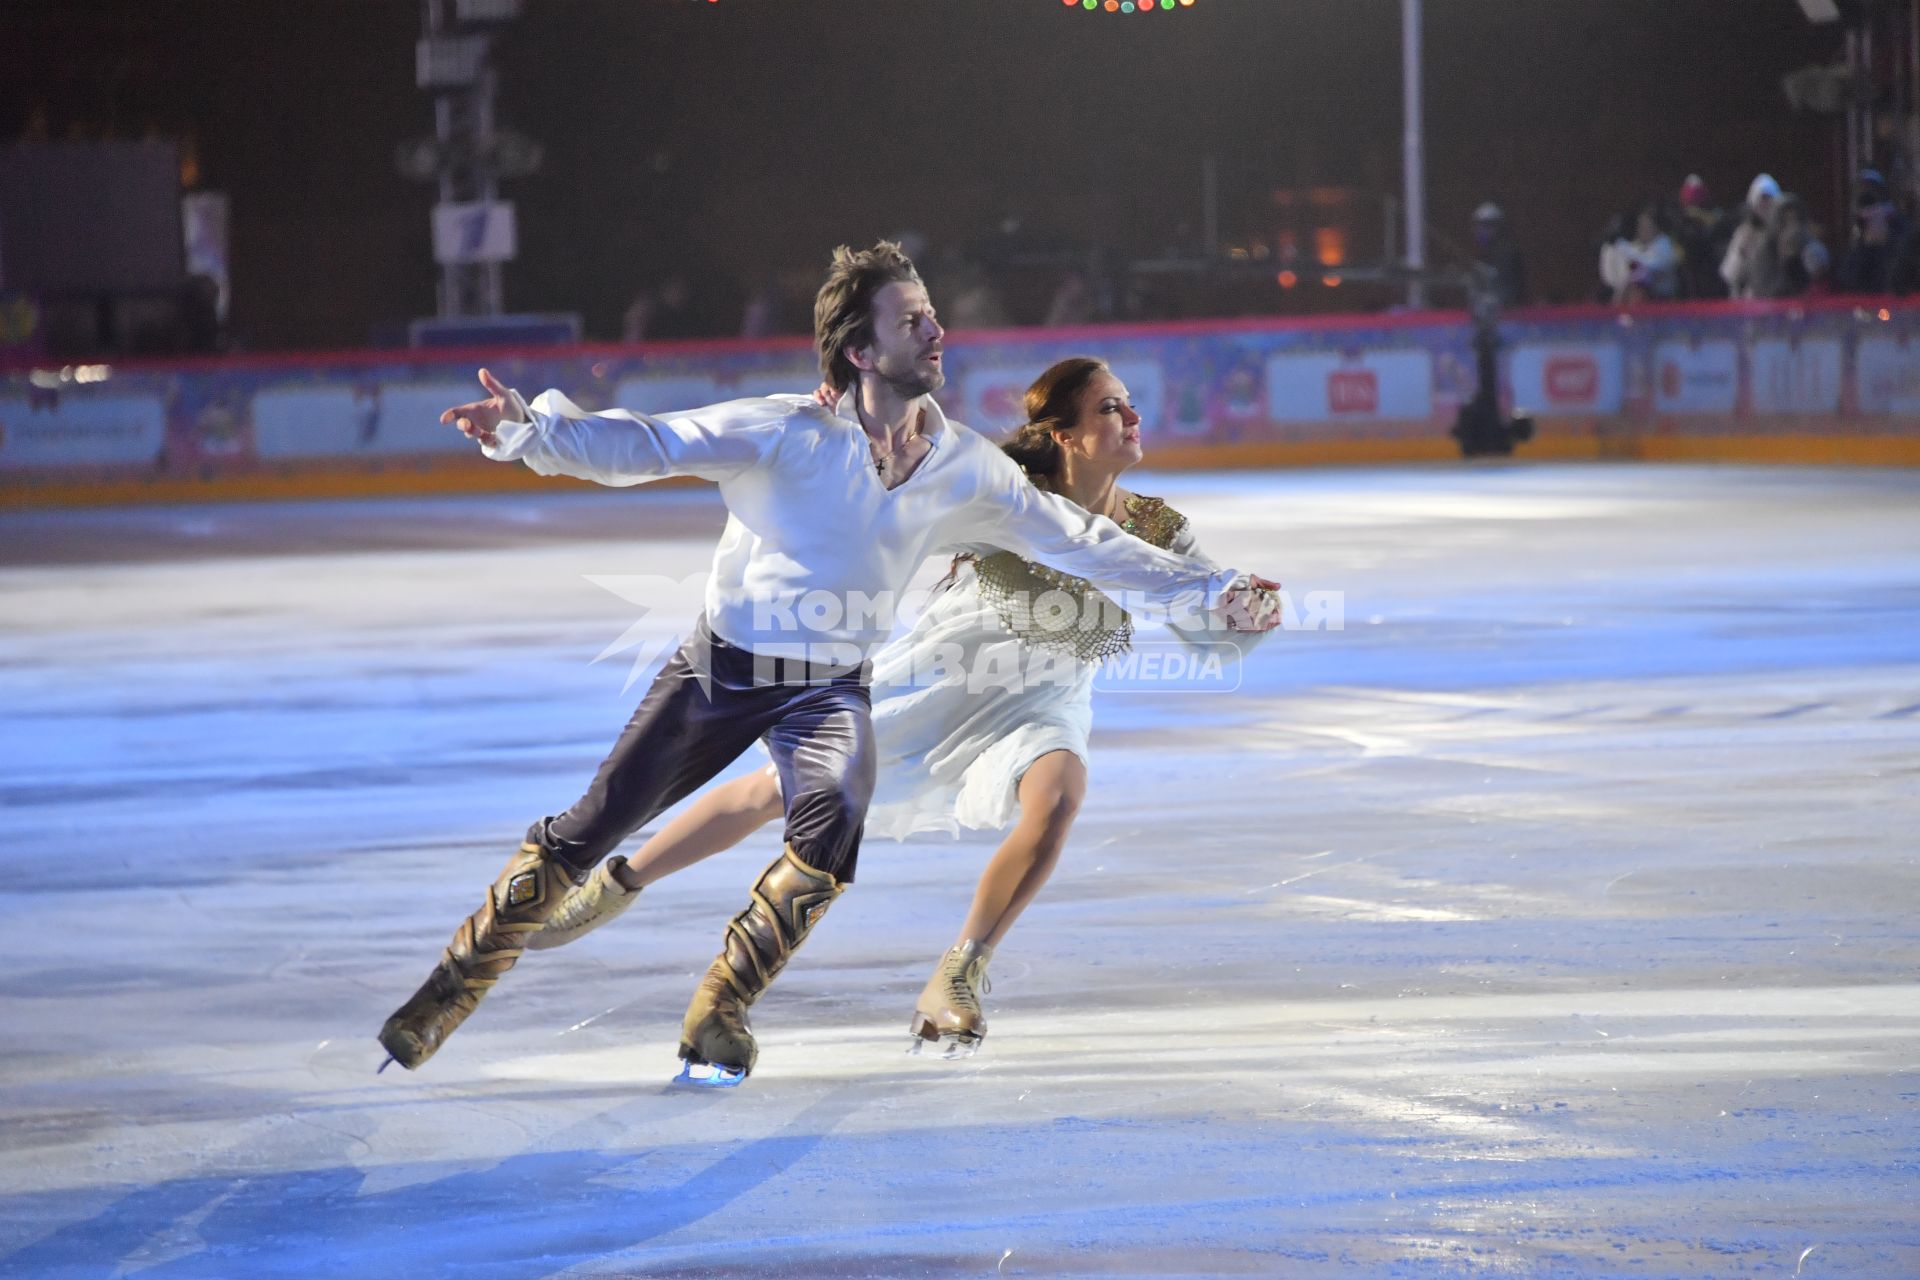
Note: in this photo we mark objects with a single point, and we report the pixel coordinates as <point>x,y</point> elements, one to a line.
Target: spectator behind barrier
<point>1906,266</point>
<point>1498,257</point>
<point>1879,234</point>
<point>974,303</point>
<point>1613,267</point>
<point>1743,250</point>
<point>1792,260</point>
<point>1701,235</point>
<point>1644,267</point>
<point>664,313</point>
<point>1072,302</point>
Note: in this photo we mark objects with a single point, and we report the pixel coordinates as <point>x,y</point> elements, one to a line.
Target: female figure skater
<point>981,712</point>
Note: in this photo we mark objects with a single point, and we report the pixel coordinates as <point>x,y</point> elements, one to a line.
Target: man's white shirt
<point>810,523</point>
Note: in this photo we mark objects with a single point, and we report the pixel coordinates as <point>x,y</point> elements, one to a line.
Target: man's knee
<point>841,803</point>
<point>826,820</point>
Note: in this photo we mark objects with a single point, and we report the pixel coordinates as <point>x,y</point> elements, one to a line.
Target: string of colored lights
<point>1111,6</point>
<point>1127,6</point>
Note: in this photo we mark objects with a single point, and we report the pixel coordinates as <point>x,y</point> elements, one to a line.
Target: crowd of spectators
<point>1766,247</point>
<point>971,292</point>
<point>1674,248</point>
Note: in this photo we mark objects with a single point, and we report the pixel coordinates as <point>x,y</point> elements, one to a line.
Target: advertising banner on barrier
<point>1566,378</point>
<point>1351,386</point>
<point>1887,370</point>
<point>1342,388</point>
<point>1691,377</point>
<point>667,392</point>
<point>81,427</point>
<point>991,397</point>
<point>366,418</point>
<point>1795,376</point>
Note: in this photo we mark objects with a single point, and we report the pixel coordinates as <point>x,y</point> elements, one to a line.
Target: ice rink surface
<point>1560,916</point>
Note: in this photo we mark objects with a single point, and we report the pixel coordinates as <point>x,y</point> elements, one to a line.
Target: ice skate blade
<point>950,1047</point>
<point>384,1065</point>
<point>708,1075</point>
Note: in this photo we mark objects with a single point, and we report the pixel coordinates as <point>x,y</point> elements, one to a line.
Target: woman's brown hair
<point>1053,404</point>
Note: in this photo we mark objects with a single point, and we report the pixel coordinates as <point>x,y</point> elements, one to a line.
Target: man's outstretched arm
<point>554,436</point>
<point>1059,534</point>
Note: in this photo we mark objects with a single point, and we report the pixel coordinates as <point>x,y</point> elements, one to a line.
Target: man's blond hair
<point>843,309</point>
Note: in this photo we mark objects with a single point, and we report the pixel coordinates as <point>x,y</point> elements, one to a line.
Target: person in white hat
<point>1743,251</point>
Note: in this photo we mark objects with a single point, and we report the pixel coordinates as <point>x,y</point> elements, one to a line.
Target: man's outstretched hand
<point>1253,607</point>
<point>478,421</point>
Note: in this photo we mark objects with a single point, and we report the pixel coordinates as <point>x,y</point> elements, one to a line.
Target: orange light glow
<point>1287,279</point>
<point>1331,281</point>
<point>1330,246</point>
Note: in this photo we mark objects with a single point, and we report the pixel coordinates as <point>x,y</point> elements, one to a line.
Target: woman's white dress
<point>962,705</point>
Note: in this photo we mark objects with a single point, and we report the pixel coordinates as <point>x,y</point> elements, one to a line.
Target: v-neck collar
<point>933,430</point>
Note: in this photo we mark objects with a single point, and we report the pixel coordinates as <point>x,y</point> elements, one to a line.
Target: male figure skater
<point>827,512</point>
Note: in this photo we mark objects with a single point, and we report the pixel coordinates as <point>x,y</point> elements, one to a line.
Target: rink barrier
<point>1831,381</point>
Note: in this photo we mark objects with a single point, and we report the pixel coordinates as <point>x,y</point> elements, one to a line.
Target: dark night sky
<point>756,134</point>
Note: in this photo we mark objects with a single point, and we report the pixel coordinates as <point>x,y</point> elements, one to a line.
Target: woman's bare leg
<point>722,817</point>
<point>948,1010</point>
<point>1050,794</point>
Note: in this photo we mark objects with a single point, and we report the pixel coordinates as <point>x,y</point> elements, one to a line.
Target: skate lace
<point>968,982</point>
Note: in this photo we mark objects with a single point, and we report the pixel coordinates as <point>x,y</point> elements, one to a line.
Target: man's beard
<point>914,382</point>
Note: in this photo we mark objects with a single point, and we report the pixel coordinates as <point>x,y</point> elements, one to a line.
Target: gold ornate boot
<point>788,898</point>
<point>948,1011</point>
<point>586,907</point>
<point>521,902</point>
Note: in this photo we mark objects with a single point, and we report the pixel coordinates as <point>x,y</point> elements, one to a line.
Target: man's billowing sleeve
<point>1012,513</point>
<point>556,437</point>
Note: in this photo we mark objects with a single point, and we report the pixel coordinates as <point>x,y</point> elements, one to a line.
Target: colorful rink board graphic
<point>1834,381</point>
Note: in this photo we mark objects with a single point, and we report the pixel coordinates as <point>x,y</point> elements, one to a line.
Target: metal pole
<point>1413,159</point>
<point>1906,103</point>
<point>1210,205</point>
<point>443,132</point>
<point>1853,123</point>
<point>1390,229</point>
<point>1866,112</point>
<point>492,296</point>
<point>1911,126</point>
